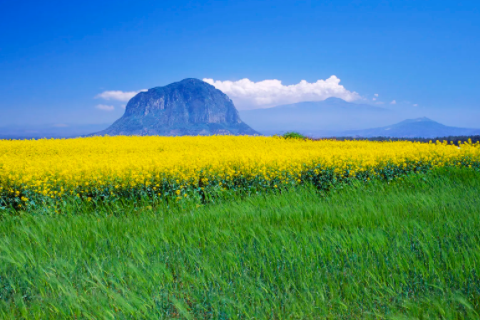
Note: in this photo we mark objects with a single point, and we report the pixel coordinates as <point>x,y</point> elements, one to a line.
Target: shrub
<point>293,135</point>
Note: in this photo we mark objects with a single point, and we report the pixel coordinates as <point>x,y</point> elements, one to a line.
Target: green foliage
<point>409,248</point>
<point>293,135</point>
<point>211,189</point>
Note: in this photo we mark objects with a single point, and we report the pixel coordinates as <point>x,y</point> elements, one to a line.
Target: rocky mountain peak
<point>187,107</point>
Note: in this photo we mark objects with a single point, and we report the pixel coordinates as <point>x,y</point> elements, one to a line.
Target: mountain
<point>413,128</point>
<point>188,107</point>
<point>330,114</point>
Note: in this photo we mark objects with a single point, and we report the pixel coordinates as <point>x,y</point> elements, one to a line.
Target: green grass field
<point>409,249</point>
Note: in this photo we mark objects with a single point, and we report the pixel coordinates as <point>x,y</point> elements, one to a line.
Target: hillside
<point>330,114</point>
<point>188,107</point>
<point>413,128</point>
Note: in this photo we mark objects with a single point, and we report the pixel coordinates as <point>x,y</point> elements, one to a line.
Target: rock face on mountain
<point>188,107</point>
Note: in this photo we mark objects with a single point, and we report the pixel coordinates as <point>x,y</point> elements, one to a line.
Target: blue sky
<point>57,56</point>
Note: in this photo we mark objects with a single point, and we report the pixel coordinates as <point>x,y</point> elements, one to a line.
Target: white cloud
<point>415,105</point>
<point>247,94</point>
<point>376,95</point>
<point>393,102</point>
<point>105,107</point>
<point>374,99</point>
<point>118,95</point>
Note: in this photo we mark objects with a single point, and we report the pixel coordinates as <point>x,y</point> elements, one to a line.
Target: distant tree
<point>293,135</point>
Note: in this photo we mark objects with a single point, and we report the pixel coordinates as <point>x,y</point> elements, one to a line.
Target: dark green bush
<point>293,135</point>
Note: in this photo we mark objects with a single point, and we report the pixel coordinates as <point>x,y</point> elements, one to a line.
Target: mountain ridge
<point>329,114</point>
<point>187,107</point>
<point>414,128</point>
<point>422,127</point>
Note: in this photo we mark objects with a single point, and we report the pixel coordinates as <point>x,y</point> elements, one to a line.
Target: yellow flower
<point>54,167</point>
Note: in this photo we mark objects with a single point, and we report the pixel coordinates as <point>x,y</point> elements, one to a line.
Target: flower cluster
<point>103,168</point>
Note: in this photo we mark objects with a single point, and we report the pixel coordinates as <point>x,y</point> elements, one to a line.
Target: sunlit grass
<point>408,248</point>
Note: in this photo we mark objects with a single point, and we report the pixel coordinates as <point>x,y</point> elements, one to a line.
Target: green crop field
<point>408,249</point>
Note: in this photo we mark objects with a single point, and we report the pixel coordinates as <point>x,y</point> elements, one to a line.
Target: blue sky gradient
<point>56,56</point>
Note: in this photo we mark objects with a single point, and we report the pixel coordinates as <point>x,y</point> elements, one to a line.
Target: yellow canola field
<point>53,168</point>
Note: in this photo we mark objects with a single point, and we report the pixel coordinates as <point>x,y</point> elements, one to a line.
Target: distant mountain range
<point>194,107</point>
<point>335,117</point>
<point>187,107</point>
<point>413,128</point>
<point>330,114</point>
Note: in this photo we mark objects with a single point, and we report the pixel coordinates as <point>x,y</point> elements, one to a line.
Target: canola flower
<point>103,168</point>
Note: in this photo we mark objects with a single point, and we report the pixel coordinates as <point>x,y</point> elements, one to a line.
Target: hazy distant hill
<point>48,131</point>
<point>188,107</point>
<point>330,114</point>
<point>413,128</point>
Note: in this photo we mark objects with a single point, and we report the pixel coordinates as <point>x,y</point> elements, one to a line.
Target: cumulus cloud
<point>247,94</point>
<point>393,102</point>
<point>118,95</point>
<point>105,107</point>
<point>376,95</point>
